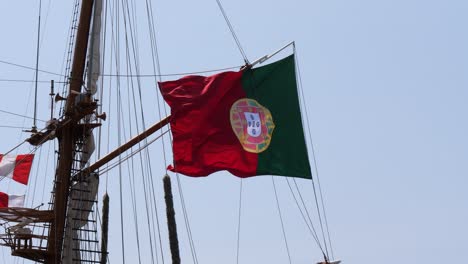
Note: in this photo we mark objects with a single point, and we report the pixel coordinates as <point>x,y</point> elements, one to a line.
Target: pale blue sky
<point>386,87</point>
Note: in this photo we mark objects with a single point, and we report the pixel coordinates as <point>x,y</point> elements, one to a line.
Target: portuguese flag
<point>246,122</point>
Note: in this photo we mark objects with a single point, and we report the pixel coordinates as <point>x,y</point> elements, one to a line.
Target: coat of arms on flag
<point>253,125</point>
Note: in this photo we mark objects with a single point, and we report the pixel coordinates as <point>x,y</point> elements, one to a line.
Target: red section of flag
<point>204,141</point>
<point>3,200</point>
<point>23,168</point>
<point>16,167</point>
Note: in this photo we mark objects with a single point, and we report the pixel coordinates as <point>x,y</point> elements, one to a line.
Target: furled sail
<point>79,209</point>
<point>94,67</point>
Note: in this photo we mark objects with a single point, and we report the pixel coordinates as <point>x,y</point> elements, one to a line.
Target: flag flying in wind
<point>16,167</point>
<point>11,200</point>
<point>246,122</point>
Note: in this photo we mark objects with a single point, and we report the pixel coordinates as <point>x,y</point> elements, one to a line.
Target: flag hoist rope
<point>301,90</point>
<point>307,221</point>
<point>281,219</point>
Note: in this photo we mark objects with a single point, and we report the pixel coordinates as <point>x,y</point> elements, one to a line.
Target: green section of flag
<point>274,86</point>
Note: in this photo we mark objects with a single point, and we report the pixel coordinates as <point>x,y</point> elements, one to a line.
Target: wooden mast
<point>67,139</point>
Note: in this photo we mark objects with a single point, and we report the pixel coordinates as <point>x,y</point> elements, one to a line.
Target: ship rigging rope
<point>117,163</point>
<point>29,68</point>
<point>158,75</point>
<point>131,62</point>
<point>117,75</point>
<point>26,81</point>
<point>68,52</point>
<point>148,176</point>
<point>239,222</point>
<point>316,169</point>
<point>11,113</point>
<point>156,65</point>
<point>24,141</point>
<point>119,136</point>
<point>156,71</point>
<point>35,180</point>
<point>307,222</point>
<point>127,23</point>
<point>116,38</point>
<point>186,220</point>
<point>173,74</point>
<point>281,219</point>
<point>231,28</point>
<point>37,65</point>
<point>18,127</point>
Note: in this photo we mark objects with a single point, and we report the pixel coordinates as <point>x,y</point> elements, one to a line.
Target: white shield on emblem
<point>254,124</point>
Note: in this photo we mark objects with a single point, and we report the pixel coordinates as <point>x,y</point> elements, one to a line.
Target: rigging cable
<point>117,163</point>
<point>119,128</point>
<point>231,28</point>
<point>120,179</point>
<point>147,174</point>
<point>119,75</point>
<point>45,172</point>
<point>10,113</point>
<point>34,127</point>
<point>174,74</point>
<point>308,223</point>
<point>68,52</point>
<point>17,127</point>
<point>239,222</point>
<point>29,68</point>
<point>156,66</point>
<point>27,81</point>
<point>17,146</point>
<point>35,180</point>
<point>315,165</point>
<point>132,163</point>
<point>281,219</point>
<point>186,220</point>
<point>316,199</point>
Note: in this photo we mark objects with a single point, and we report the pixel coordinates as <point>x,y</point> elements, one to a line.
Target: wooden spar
<point>67,139</point>
<point>171,222</point>
<point>132,142</point>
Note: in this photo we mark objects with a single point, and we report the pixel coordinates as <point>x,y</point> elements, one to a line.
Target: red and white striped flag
<point>16,167</point>
<point>11,200</point>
